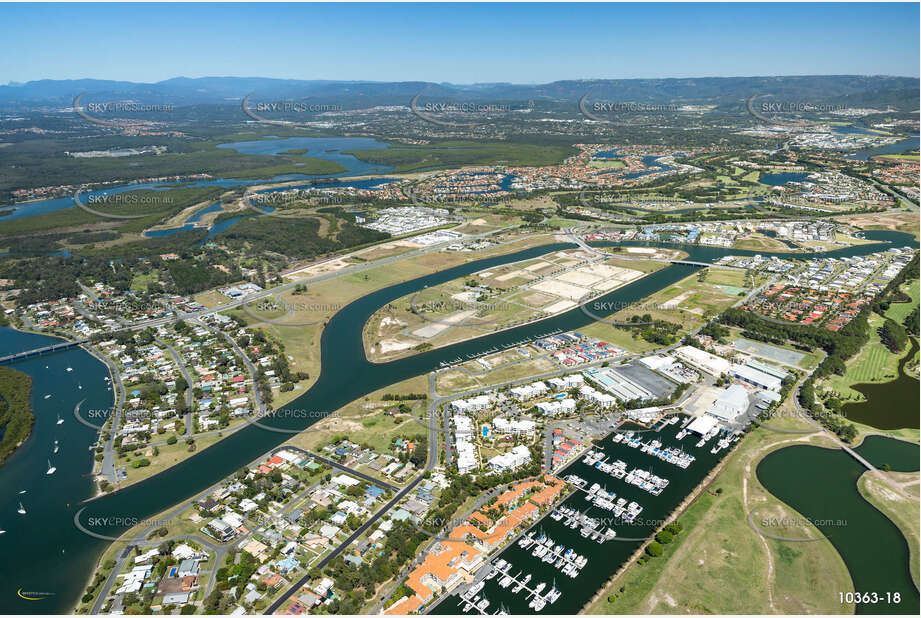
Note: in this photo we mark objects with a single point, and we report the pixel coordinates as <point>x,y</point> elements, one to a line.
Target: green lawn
<point>898,311</point>
<point>874,363</point>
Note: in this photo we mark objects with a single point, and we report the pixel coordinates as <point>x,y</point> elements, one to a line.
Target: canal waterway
<point>47,533</point>
<point>896,148</point>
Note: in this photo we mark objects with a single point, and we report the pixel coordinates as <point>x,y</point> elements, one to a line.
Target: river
<point>329,148</point>
<point>47,533</point>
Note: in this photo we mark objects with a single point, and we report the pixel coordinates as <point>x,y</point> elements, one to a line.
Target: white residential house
<point>564,383</point>
<point>529,391</point>
<point>557,406</point>
<point>602,400</point>
<point>515,458</point>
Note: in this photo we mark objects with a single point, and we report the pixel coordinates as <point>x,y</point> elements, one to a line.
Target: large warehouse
<point>731,403</point>
<point>714,365</point>
<point>755,377</point>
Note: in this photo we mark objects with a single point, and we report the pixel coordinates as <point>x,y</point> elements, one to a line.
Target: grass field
<point>874,363</point>
<point>363,421</point>
<point>761,243</point>
<point>902,510</point>
<point>898,311</point>
<point>900,157</point>
<point>170,455</point>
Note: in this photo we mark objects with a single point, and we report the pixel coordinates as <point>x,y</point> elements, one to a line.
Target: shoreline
<point>29,411</point>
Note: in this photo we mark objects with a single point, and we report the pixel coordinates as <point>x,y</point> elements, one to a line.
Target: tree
<point>654,549</point>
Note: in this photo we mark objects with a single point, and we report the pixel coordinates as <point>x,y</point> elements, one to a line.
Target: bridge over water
<point>50,349</point>
<point>693,263</point>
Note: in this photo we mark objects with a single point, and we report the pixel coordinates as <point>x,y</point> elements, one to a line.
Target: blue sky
<point>459,43</point>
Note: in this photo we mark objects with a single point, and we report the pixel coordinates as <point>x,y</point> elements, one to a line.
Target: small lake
<point>821,485</point>
<point>782,178</point>
<point>889,405</point>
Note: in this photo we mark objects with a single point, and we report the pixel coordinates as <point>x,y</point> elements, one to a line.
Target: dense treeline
<point>191,276</point>
<point>839,347</point>
<point>16,416</point>
<point>53,277</point>
<point>297,238</point>
<point>911,322</point>
<point>893,335</point>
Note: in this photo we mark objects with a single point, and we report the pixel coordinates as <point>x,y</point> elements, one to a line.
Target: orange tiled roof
<point>407,605</point>
<point>483,519</point>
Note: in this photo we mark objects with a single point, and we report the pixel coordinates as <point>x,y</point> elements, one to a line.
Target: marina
<point>594,527</point>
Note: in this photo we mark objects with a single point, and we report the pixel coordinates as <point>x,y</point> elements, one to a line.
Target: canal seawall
<point>691,497</point>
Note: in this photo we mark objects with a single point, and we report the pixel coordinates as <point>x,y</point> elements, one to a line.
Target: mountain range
<point>899,92</point>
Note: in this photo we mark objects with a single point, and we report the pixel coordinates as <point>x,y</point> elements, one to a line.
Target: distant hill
<point>900,92</point>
